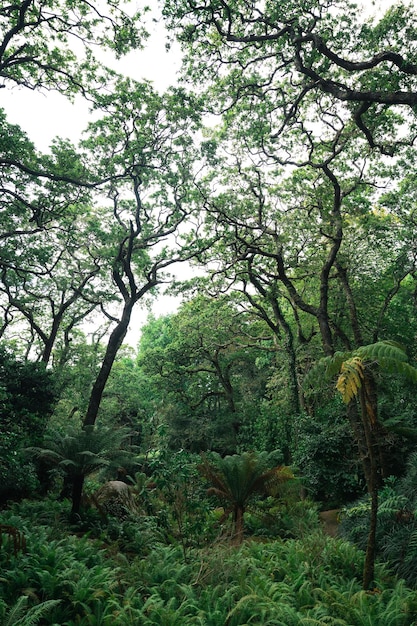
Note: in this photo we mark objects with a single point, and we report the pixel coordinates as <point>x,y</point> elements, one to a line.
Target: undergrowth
<point>71,580</point>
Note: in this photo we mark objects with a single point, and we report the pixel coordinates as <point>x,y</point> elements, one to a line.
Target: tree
<point>356,380</point>
<point>237,478</point>
<point>144,143</point>
<point>317,55</point>
<point>79,452</point>
<point>142,146</point>
<point>207,385</point>
<point>295,94</point>
<point>50,46</point>
<point>52,281</point>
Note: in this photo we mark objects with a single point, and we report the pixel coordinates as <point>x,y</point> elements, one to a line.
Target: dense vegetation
<point>183,480</point>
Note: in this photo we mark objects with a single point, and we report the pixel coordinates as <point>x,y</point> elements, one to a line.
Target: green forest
<point>252,459</point>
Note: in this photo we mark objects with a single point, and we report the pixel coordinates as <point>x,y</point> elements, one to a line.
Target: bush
<point>326,457</point>
<point>27,396</point>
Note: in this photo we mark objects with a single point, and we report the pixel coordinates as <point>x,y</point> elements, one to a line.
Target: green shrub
<point>274,518</point>
<point>326,456</point>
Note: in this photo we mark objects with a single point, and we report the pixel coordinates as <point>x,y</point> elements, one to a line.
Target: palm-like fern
<point>397,523</point>
<point>349,366</point>
<point>84,450</point>
<point>236,478</point>
<point>79,452</point>
<point>355,371</point>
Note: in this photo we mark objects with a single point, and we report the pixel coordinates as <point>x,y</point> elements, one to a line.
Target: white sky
<point>47,115</point>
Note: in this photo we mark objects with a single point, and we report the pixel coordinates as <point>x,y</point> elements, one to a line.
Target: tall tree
<point>144,141</point>
<point>323,54</point>
<point>356,380</point>
<point>51,280</point>
<point>144,144</point>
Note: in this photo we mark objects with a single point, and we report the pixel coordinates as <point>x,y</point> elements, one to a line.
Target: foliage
<point>201,363</point>
<point>307,580</point>
<point>236,479</point>
<point>178,500</point>
<point>38,48</point>
<point>27,396</point>
<point>326,456</point>
<point>285,517</point>
<point>397,524</point>
<point>20,615</point>
<point>307,241</point>
<point>82,451</point>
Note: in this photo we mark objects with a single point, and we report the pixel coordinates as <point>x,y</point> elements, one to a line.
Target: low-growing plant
<point>277,517</point>
<point>314,579</point>
<point>22,614</point>
<point>237,480</point>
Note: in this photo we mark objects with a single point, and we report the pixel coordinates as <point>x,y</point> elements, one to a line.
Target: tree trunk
<point>114,343</point>
<point>238,514</point>
<point>373,485</point>
<point>369,566</point>
<point>77,490</point>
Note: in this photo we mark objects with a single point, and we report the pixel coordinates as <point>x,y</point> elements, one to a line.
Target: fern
<point>390,356</point>
<point>326,368</point>
<point>382,350</point>
<point>21,615</point>
<point>350,378</point>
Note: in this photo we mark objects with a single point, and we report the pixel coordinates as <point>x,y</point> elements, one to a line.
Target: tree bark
<point>77,490</point>
<point>369,566</point>
<point>113,345</point>
<point>238,525</point>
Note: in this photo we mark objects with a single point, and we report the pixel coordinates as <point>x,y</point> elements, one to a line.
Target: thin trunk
<point>353,313</point>
<point>77,490</point>
<point>238,525</point>
<point>115,341</point>
<point>369,566</point>
<point>356,425</point>
<point>50,340</point>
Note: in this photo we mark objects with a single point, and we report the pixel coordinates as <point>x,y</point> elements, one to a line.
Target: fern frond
<point>382,350</point>
<point>350,378</point>
<point>334,363</point>
<point>325,368</point>
<point>20,615</point>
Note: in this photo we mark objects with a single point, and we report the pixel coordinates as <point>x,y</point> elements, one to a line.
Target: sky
<point>47,115</point>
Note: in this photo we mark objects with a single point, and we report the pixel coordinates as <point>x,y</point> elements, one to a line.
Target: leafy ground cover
<point>66,577</point>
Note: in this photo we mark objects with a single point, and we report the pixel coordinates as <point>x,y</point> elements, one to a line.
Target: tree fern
<point>236,478</point>
<point>84,450</point>
<point>390,357</point>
